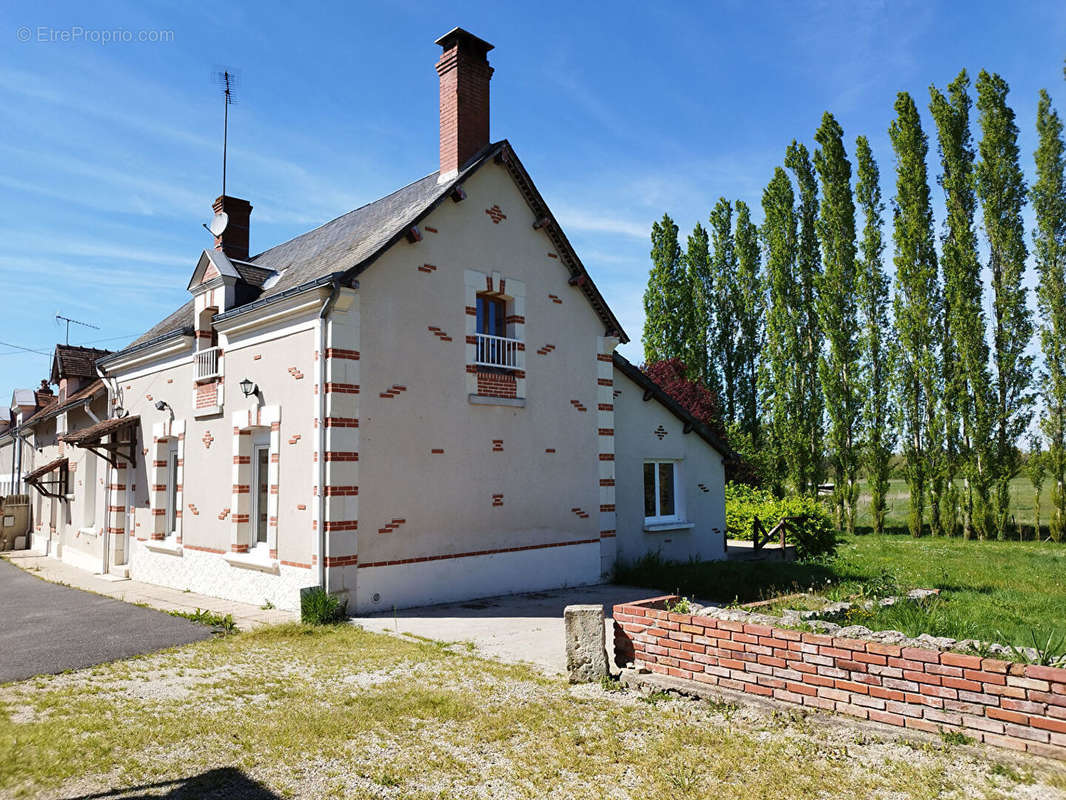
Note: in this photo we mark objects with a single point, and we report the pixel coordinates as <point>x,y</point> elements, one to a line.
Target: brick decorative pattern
<point>703,487</point>
<point>1019,706</point>
<point>392,391</point>
<point>427,268</point>
<point>661,432</point>
<point>577,404</point>
<point>549,450</point>
<point>207,394</point>
<point>444,337</point>
<point>496,214</point>
<point>392,525</point>
<point>582,514</point>
<point>497,445</point>
<point>437,451</point>
<point>431,230</point>
<point>207,439</point>
<point>295,372</point>
<point>553,255</point>
<point>555,299</point>
<point>497,500</point>
<point>543,351</point>
<point>496,384</point>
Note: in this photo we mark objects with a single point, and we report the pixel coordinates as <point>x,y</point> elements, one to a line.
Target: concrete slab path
<point>245,615</point>
<point>519,628</point>
<point>47,628</point>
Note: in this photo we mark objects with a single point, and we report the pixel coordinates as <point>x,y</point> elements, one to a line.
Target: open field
<point>292,711</point>
<point>994,591</point>
<point>1022,505</point>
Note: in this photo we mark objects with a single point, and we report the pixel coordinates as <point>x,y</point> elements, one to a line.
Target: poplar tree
<point>1001,190</point>
<point>663,336</point>
<point>917,303</point>
<point>749,311</point>
<point>875,336</point>
<point>697,314</point>
<point>968,399</point>
<point>1049,247</point>
<point>723,300</point>
<point>782,385</point>
<point>839,368</point>
<point>808,271</point>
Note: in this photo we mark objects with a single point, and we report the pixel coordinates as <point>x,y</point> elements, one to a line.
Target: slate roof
<point>75,362</point>
<point>623,365</point>
<point>75,400</point>
<point>351,242</point>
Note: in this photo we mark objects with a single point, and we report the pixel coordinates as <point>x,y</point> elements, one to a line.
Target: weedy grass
<point>1008,592</point>
<point>335,711</point>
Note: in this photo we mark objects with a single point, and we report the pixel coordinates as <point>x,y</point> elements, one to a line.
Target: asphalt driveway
<point>45,627</point>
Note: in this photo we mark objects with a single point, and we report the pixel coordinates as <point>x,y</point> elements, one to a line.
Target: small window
<point>261,481</point>
<point>172,488</point>
<point>491,316</point>
<point>660,491</point>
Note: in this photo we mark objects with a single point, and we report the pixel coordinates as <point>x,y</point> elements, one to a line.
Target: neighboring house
<point>417,402</point>
<point>14,451</point>
<point>68,503</point>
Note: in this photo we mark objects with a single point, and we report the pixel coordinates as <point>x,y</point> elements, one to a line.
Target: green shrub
<point>317,607</point>
<point>811,529</point>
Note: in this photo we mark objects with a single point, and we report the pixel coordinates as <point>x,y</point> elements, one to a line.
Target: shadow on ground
<point>225,782</point>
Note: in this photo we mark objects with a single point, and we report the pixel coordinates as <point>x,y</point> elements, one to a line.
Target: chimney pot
<point>234,239</point>
<point>464,98</point>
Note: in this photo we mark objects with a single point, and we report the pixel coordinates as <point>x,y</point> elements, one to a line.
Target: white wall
<point>701,476</point>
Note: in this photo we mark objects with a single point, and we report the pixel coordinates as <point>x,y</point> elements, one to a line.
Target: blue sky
<point>111,152</point>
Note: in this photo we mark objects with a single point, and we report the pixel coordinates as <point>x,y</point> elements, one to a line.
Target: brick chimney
<point>234,239</point>
<point>464,98</point>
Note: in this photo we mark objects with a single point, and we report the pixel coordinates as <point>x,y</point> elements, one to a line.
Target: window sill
<point>90,532</point>
<point>489,400</point>
<point>664,527</point>
<point>252,561</point>
<point>209,411</point>
<point>168,546</point>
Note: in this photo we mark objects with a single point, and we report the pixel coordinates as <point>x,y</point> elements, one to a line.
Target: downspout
<point>335,289</point>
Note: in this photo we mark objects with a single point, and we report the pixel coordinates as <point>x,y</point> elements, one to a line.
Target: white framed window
<point>260,492</point>
<point>172,488</point>
<point>662,501</point>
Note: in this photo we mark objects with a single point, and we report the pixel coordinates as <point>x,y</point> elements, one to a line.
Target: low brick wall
<point>1019,706</point>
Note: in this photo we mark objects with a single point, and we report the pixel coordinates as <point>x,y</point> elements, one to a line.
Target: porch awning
<point>92,439</point>
<point>52,487</point>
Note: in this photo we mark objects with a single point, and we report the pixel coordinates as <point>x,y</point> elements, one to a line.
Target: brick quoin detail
<point>496,213</point>
<point>340,352</point>
<point>444,337</point>
<point>496,384</point>
<point>1019,706</point>
<point>392,525</point>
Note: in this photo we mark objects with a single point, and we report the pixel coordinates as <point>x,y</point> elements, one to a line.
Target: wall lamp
<point>162,405</point>
<point>249,387</point>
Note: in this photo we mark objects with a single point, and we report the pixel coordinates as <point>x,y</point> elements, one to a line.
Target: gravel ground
<point>345,713</point>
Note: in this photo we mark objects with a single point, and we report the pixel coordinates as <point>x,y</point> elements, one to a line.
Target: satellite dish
<point>219,223</point>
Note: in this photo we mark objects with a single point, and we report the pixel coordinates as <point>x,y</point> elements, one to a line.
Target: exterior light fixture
<point>249,387</point>
<point>162,405</point>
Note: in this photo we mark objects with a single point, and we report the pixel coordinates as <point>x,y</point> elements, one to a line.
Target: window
<point>491,315</point>
<point>88,519</point>
<point>660,493</point>
<point>261,482</point>
<point>172,488</point>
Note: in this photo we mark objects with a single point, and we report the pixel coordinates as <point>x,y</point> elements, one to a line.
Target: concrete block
<point>586,653</point>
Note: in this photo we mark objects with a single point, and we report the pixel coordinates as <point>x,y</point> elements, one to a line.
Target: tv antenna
<point>68,320</point>
<point>228,80</point>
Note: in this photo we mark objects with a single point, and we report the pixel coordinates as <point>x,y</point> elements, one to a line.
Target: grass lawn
<point>292,711</point>
<point>988,588</point>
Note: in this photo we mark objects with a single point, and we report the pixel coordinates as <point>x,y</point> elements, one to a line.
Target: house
<point>67,506</point>
<point>416,402</point>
